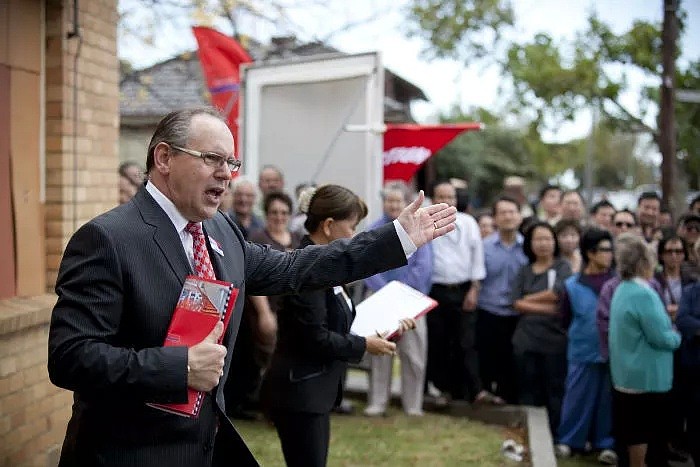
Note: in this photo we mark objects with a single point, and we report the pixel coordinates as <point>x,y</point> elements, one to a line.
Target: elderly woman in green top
<point>641,342</point>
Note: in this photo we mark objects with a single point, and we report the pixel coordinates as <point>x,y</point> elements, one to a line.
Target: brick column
<point>81,173</point>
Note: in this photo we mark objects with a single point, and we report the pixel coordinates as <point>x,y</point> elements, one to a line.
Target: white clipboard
<point>381,312</point>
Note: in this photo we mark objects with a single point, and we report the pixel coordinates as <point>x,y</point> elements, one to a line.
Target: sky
<point>445,82</point>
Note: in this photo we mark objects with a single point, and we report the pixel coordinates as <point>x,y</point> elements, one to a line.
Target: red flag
<point>220,57</point>
<point>408,146</point>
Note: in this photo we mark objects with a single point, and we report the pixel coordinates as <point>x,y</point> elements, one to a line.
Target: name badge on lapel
<point>216,246</point>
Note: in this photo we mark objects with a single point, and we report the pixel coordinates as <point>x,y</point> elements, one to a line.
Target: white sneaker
<point>562,450</point>
<point>607,457</point>
<point>374,411</point>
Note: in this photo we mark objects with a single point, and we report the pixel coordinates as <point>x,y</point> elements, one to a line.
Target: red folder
<point>202,303</point>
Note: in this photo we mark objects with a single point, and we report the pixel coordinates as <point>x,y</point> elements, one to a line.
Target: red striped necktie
<point>202,263</point>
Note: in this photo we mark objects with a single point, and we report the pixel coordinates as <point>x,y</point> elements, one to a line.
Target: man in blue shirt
<point>496,319</point>
<point>413,346</point>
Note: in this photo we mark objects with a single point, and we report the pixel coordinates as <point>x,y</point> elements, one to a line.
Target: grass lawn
<point>397,440</point>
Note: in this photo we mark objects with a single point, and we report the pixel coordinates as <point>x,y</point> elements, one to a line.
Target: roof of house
<point>148,94</point>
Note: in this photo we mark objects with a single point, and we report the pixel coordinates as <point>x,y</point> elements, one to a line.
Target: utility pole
<point>667,120</point>
<point>590,156</point>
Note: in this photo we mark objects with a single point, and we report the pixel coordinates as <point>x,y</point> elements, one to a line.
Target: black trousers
<point>496,362</point>
<point>541,382</point>
<point>693,412</point>
<point>241,391</point>
<point>453,365</point>
<point>304,437</point>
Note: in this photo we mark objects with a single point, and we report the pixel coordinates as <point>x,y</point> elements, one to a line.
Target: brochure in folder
<point>202,303</point>
<point>381,312</point>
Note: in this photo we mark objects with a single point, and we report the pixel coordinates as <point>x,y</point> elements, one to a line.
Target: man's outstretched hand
<point>424,224</point>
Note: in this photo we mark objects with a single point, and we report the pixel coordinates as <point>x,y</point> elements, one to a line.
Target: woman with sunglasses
<point>672,253</point>
<point>585,413</point>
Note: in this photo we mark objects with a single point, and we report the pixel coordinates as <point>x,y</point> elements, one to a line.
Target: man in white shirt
<point>458,266</point>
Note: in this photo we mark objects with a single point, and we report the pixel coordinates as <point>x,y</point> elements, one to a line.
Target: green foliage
<point>688,124</point>
<point>464,29</point>
<point>485,158</point>
<point>553,82</point>
<point>561,79</point>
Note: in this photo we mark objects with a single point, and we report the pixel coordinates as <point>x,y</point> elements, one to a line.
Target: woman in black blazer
<point>305,379</point>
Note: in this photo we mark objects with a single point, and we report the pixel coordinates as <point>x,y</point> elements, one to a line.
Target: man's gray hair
<point>243,180</point>
<point>174,128</point>
<point>397,186</point>
<point>633,256</point>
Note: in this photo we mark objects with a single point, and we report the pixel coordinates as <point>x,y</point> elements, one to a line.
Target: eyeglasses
<point>278,213</point>
<point>675,251</point>
<point>620,225</point>
<point>603,249</point>
<point>212,159</point>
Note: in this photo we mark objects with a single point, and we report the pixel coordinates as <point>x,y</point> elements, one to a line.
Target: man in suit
<point>120,279</point>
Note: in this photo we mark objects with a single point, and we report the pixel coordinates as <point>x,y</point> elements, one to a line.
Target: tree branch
<point>636,121</point>
<point>348,26</point>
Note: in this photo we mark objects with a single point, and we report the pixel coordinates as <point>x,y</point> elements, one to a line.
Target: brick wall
<point>33,412</point>
<point>80,184</point>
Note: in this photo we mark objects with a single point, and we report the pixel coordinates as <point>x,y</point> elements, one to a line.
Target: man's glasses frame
<point>620,224</point>
<point>675,251</point>
<point>212,159</point>
<point>603,249</point>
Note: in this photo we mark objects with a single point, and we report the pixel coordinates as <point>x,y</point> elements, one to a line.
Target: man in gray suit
<point>120,279</point>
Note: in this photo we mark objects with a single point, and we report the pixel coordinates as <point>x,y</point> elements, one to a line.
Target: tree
<point>553,81</point>
<point>688,121</point>
<point>486,157</point>
<point>141,21</point>
<point>467,29</point>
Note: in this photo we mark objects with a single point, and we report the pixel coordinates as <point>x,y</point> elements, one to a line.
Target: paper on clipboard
<point>382,311</point>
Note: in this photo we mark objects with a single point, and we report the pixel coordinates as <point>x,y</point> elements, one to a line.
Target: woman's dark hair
<point>276,196</point>
<point>590,240</point>
<point>336,202</point>
<point>662,246</point>
<point>564,224</point>
<point>528,222</point>
<point>530,233</point>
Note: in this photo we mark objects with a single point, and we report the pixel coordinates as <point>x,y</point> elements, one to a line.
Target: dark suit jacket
<point>313,348</point>
<point>118,283</point>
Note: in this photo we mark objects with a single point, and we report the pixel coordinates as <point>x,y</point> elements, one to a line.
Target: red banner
<point>408,146</point>
<point>220,57</point>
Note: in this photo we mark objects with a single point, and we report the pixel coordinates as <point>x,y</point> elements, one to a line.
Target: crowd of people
<point>593,313</point>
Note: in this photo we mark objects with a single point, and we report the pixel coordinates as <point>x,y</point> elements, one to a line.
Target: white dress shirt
<point>459,255</point>
<point>179,222</point>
